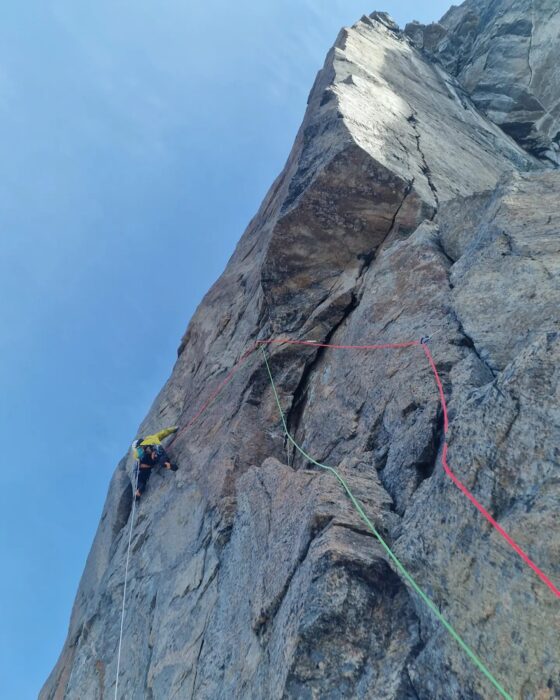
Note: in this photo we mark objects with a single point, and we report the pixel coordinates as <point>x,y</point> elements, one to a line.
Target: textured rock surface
<point>506,54</point>
<point>401,211</point>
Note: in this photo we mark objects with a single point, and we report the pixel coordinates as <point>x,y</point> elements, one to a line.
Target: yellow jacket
<point>156,438</point>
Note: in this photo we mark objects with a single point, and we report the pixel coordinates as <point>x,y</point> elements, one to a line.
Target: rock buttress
<point>401,211</point>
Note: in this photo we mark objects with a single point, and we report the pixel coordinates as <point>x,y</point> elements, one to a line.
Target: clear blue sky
<point>138,139</point>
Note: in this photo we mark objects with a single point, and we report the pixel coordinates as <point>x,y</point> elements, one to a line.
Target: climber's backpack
<point>144,455</point>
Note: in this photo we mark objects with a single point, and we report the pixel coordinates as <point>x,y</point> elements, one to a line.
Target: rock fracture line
<point>262,344</point>
<point>404,572</point>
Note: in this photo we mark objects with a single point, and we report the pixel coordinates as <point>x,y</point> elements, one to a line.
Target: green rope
<point>357,505</point>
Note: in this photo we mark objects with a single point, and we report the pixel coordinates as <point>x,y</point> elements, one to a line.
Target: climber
<point>150,453</point>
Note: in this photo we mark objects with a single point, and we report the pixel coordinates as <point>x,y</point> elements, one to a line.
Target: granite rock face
<point>402,211</point>
<point>506,54</point>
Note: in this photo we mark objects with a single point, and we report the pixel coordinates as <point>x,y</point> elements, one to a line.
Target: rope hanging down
<point>423,343</point>
<point>126,578</point>
<point>358,506</point>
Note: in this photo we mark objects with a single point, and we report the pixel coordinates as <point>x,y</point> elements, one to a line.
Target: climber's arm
<point>166,432</point>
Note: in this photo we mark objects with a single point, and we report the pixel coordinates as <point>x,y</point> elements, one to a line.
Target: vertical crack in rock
<point>449,260</point>
<point>202,638</point>
<point>468,342</point>
<point>406,193</point>
<point>369,258</point>
<point>268,499</point>
<point>193,695</point>
<point>415,695</point>
<point>295,412</point>
<point>297,407</point>
<point>413,120</point>
<point>299,604</point>
<point>531,43</point>
<point>427,461</point>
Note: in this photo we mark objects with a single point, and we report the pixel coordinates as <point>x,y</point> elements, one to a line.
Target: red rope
<point>216,393</point>
<point>544,578</point>
<point>428,354</point>
<point>288,341</point>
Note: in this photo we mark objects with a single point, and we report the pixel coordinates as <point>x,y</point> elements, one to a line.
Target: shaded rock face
<point>506,54</point>
<point>401,211</point>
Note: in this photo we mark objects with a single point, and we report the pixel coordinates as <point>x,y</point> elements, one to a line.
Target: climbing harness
<point>422,343</point>
<point>126,577</point>
<point>358,506</point>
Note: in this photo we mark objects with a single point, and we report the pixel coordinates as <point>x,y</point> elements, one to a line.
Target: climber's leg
<point>143,476</point>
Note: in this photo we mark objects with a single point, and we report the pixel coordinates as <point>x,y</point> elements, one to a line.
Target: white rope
<point>126,577</point>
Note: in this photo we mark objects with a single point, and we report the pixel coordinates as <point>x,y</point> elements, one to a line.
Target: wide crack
<point>299,399</point>
<point>425,168</point>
